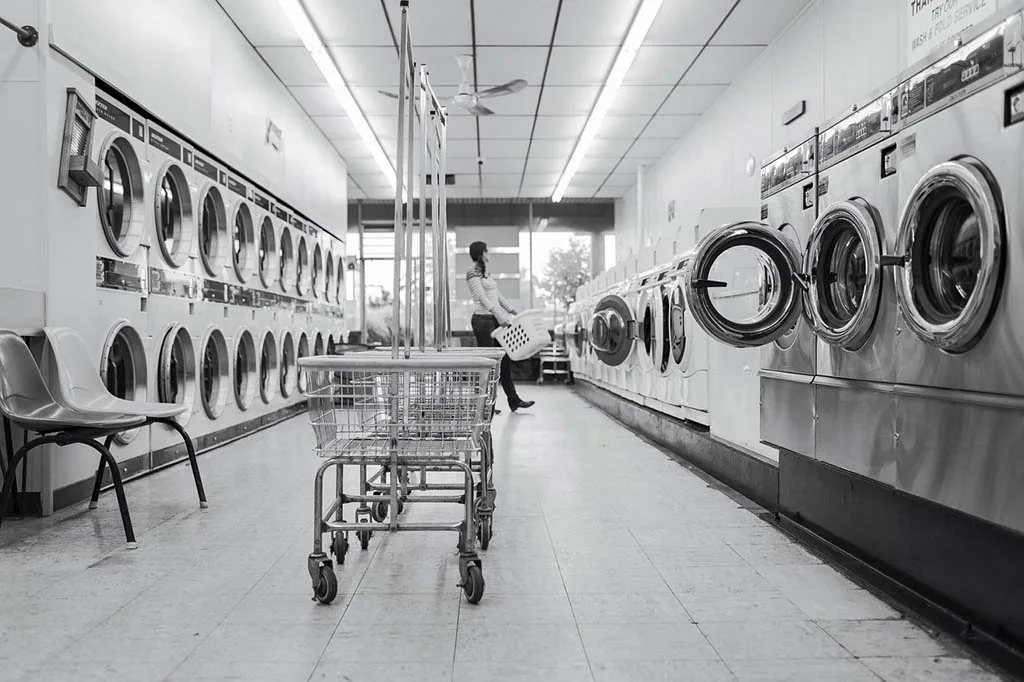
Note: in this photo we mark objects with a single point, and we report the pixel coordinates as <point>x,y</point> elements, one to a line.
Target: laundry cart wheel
<point>364,536</point>
<point>326,588</point>
<point>339,547</point>
<point>473,586</point>
<point>484,532</point>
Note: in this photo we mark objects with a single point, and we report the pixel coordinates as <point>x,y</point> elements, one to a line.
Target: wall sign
<point>932,24</point>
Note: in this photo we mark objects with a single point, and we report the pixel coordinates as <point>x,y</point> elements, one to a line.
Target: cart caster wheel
<point>401,507</point>
<point>339,547</point>
<point>326,588</point>
<point>473,586</point>
<point>364,537</point>
<point>379,512</point>
<point>484,532</point>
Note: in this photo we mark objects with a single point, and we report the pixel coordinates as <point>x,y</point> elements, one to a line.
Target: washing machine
<point>173,226</point>
<point>613,334</point>
<point>119,336</point>
<point>960,292</point>
<point>850,294</point>
<point>650,385</point>
<point>744,289</point>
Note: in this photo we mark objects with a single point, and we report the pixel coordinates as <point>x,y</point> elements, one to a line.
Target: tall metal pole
<point>396,316</point>
<point>530,261</point>
<point>362,273</point>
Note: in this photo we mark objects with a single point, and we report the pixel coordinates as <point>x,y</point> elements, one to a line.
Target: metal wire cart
<point>422,410</point>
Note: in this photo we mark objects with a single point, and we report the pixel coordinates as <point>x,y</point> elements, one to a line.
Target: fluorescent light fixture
<point>627,53</point>
<point>542,225</point>
<point>307,33</point>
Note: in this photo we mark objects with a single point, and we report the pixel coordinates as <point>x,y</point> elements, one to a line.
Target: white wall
<point>185,61</point>
<point>835,54</point>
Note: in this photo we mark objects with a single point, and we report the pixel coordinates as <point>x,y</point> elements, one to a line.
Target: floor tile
<point>662,671</point>
<point>537,645</point>
<point>802,670</point>
<point>645,642</point>
<point>511,671</point>
<point>627,608</point>
<point>765,640</point>
<point>742,605</point>
<point>405,644</point>
<point>930,669</point>
<point>878,638</point>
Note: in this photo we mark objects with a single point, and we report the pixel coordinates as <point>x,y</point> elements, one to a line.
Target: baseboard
<point>958,571</point>
<point>747,473</point>
<point>144,465</point>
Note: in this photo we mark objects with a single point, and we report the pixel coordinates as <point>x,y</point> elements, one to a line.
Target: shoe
<point>497,411</point>
<point>522,403</point>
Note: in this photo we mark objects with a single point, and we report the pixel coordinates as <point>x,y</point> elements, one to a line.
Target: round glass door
<point>267,253</point>
<point>268,367</point>
<point>843,263</point>
<point>665,358</point>
<point>286,261</point>
<point>743,287</point>
<point>676,323</point>
<point>173,209</point>
<point>214,374</point>
<point>245,369</point>
<point>213,232</point>
<point>243,244</point>
<point>120,196</point>
<point>318,271</point>
<point>302,274</point>
<point>649,322</point>
<point>287,365</point>
<point>329,285</point>
<point>952,236</point>
<point>176,370</point>
<point>612,330</point>
<point>123,369</point>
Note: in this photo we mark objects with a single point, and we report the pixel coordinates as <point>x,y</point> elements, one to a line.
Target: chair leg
<point>99,474</point>
<point>122,502</point>
<point>203,504</point>
<point>19,456</point>
<point>9,443</point>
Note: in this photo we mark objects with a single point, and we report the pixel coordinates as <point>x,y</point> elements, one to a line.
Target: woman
<point>491,311</point>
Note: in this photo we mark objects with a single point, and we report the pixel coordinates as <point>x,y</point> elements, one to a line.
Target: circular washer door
<point>612,330</point>
<point>843,263</point>
<point>176,370</point>
<point>674,326</point>
<point>952,235</point>
<point>742,286</point>
<point>120,196</point>
<point>123,368</point>
<point>649,312</point>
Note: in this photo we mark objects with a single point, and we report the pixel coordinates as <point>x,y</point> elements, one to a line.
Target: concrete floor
<point>609,562</point>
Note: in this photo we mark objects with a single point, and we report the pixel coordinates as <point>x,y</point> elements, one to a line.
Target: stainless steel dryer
<point>745,288</point>
<point>851,299</point>
<point>960,392</point>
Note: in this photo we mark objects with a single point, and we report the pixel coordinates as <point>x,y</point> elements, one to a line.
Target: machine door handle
<point>709,284</point>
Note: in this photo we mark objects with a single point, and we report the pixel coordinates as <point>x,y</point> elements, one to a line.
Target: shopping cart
<point>368,409</point>
<point>483,466</point>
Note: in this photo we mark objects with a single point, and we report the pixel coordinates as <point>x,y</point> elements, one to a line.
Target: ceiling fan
<point>467,98</point>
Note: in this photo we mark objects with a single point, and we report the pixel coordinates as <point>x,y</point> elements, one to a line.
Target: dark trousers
<point>483,325</point>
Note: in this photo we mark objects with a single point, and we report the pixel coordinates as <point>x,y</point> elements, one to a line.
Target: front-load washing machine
<point>960,292</point>
<point>851,298</point>
<point>650,336</point>
<point>744,289</point>
<point>173,209</point>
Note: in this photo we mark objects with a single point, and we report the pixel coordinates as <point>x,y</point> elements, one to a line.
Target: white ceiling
<point>693,51</point>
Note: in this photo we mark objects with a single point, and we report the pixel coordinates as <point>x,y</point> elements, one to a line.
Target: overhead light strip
<point>638,30</point>
<point>303,26</point>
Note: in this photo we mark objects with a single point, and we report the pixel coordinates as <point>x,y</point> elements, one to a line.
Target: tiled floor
<point>609,562</point>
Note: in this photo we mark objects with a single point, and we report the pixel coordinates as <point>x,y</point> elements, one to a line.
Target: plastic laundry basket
<point>525,336</point>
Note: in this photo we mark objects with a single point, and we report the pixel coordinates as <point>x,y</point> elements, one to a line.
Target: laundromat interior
<point>536,340</point>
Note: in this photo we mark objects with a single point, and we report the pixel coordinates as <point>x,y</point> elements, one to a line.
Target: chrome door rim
<point>649,305</point>
<point>173,333</point>
<point>771,325</point>
<point>679,346</point>
<point>962,332</point>
<point>140,380</point>
<point>855,332</point>
<point>616,306</point>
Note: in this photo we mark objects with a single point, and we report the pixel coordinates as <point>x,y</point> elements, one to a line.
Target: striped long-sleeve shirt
<point>489,301</point>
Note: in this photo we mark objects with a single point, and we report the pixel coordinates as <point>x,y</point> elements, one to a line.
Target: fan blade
<point>392,95</point>
<point>502,90</point>
<point>479,110</point>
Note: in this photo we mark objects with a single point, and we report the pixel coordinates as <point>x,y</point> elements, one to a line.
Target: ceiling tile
<point>756,22</point>
<point>552,149</point>
<point>639,99</point>
<point>651,147</point>
<point>586,22</point>
<point>576,65</point>
<point>541,179</point>
<point>589,179</point>
<point>262,22</point>
<point>349,22</point>
<point>461,127</point>
<point>622,126</point>
<point>506,127</point>
<point>364,166</point>
<point>386,127</point>
<point>501,180</point>
<point>598,164</point>
<point>442,63</point>
<point>609,148</point>
<point>292,65</point>
<point>621,178</point>
<point>722,63</point>
<point>537,165</point>
<point>577,191</point>
<point>508,149</point>
<point>458,192</point>
<point>523,22</point>
<point>461,148</point>
<point>672,126</point>
<point>690,22</point>
<point>559,127</point>
<point>462,165</point>
<point>374,103</point>
<point>337,127</point>
<point>660,64</point>
<point>435,22</point>
<point>501,192</point>
<point>692,99</point>
<point>531,192</point>
<point>607,192</point>
<point>317,100</point>
<point>503,165</point>
<point>370,180</point>
<point>499,65</point>
<point>351,149</point>
<point>370,66</point>
<point>565,100</point>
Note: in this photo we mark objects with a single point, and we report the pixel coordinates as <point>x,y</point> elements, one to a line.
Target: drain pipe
<point>28,36</point>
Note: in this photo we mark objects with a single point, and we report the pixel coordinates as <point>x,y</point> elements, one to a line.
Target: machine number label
<point>113,115</point>
<point>823,186</point>
<point>261,201</point>
<point>237,187</point>
<point>908,146</point>
<point>164,144</point>
<point>205,168</point>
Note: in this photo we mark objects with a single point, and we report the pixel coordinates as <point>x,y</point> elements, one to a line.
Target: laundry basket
<point>525,337</point>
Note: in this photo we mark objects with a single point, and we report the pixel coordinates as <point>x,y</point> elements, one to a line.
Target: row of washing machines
<point>882,282</point>
<point>207,288</point>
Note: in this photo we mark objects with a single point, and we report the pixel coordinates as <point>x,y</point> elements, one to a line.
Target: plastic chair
<point>79,386</point>
<point>26,402</point>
